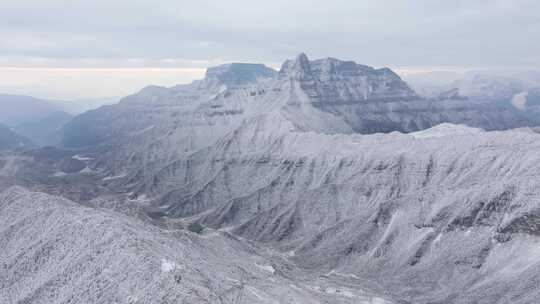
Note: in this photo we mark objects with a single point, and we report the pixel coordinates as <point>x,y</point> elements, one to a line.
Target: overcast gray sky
<point>71,49</point>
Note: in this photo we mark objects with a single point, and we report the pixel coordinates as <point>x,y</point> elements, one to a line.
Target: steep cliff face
<point>332,81</point>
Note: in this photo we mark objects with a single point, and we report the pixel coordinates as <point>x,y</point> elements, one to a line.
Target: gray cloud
<point>477,32</point>
<point>196,34</point>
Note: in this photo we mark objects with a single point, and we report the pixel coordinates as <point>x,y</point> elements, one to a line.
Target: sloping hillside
<point>56,251</point>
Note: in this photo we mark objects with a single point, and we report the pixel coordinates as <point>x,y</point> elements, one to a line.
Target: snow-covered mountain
<point>18,109</point>
<point>514,90</point>
<point>426,215</point>
<point>487,86</point>
<point>57,251</point>
<point>41,120</point>
<point>447,214</point>
<point>339,169</point>
<point>326,96</point>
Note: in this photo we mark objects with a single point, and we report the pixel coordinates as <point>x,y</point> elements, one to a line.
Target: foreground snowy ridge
<point>56,251</point>
<point>404,210</point>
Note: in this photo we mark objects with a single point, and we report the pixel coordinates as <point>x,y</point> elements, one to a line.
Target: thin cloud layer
<point>197,34</point>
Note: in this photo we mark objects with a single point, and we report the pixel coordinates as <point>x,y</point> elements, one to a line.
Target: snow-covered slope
<point>444,214</point>
<point>56,251</point>
<point>425,214</point>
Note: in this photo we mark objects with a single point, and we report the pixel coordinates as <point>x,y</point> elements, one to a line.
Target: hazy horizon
<point>104,48</point>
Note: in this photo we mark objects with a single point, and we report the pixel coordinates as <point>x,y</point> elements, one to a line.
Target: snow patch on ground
<point>345,275</point>
<point>168,266</point>
<point>259,294</point>
<point>291,253</point>
<point>143,130</point>
<point>82,158</point>
<point>114,177</point>
<point>268,268</point>
<point>437,239</point>
<point>519,100</point>
<point>140,199</point>
<point>343,292</point>
<point>379,301</point>
<point>87,170</point>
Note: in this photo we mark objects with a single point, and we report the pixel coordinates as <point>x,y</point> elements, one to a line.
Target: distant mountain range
<point>17,109</point>
<point>10,140</point>
<point>45,131</point>
<point>478,84</point>
<point>41,120</point>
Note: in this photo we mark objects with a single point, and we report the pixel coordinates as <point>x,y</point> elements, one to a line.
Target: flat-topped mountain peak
<point>237,74</point>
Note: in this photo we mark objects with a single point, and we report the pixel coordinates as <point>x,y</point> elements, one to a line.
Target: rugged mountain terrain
<point>41,119</point>
<point>432,220</point>
<point>445,215</point>
<point>355,98</point>
<point>56,251</point>
<point>22,108</point>
<point>326,96</point>
<point>339,169</point>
